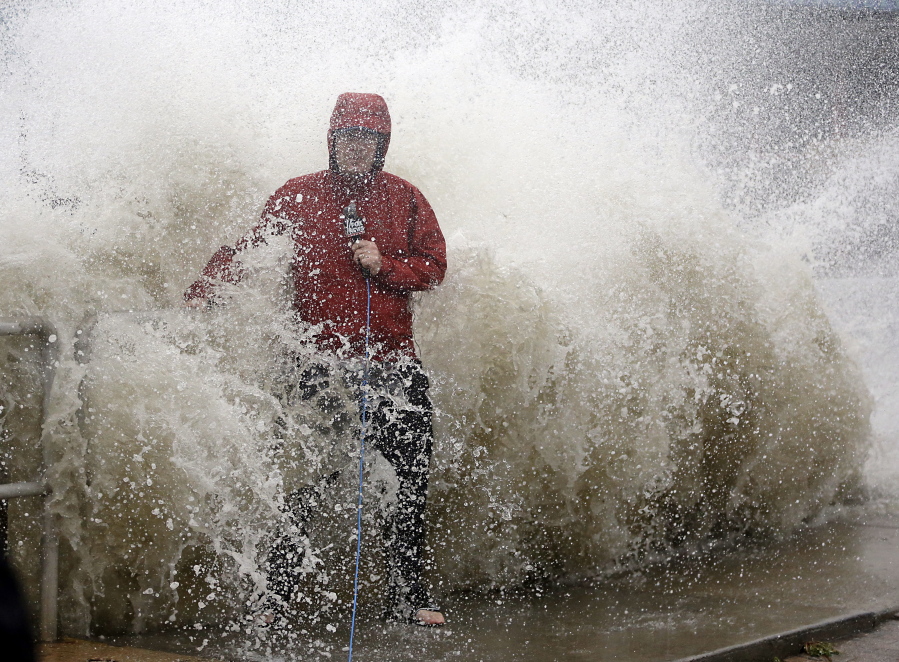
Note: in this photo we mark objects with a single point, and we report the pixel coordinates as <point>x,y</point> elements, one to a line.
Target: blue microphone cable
<point>361,462</point>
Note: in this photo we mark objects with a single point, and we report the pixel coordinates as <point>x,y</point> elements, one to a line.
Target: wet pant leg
<point>403,435</point>
<point>285,556</point>
<point>401,430</point>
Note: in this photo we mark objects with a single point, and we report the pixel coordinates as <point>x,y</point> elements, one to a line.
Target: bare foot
<point>429,617</point>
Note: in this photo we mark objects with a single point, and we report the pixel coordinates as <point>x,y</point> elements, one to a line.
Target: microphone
<point>352,222</point>
<point>354,227</point>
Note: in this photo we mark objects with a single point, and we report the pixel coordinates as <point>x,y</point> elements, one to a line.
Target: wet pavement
<point>73,650</point>
<point>689,606</point>
<point>882,645</point>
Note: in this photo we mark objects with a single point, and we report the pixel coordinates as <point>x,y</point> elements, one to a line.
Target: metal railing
<point>46,333</point>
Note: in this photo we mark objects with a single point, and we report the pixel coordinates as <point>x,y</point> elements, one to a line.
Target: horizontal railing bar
<point>25,326</point>
<point>13,490</point>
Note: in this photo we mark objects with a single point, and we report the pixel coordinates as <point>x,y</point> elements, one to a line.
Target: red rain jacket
<point>329,288</point>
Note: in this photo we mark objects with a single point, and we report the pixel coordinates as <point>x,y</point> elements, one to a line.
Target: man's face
<point>355,151</point>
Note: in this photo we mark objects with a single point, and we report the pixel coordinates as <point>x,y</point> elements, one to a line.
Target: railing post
<point>49,578</point>
<point>44,330</point>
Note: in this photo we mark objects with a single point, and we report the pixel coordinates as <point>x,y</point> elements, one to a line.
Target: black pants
<point>400,428</point>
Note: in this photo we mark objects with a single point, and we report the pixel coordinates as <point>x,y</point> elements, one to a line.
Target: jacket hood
<point>356,110</point>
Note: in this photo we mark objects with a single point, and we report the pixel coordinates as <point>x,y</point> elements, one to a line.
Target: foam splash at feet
<point>618,372</point>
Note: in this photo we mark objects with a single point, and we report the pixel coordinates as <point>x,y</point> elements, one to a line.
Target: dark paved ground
<point>882,645</point>
<point>74,650</point>
<point>682,609</point>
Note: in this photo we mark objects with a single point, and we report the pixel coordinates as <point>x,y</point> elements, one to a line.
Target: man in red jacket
<point>350,224</point>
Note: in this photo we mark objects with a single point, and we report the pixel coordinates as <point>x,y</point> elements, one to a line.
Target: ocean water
<point>630,356</point>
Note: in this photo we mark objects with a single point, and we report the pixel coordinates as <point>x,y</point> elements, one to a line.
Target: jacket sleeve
<point>425,265</point>
<point>224,267</point>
